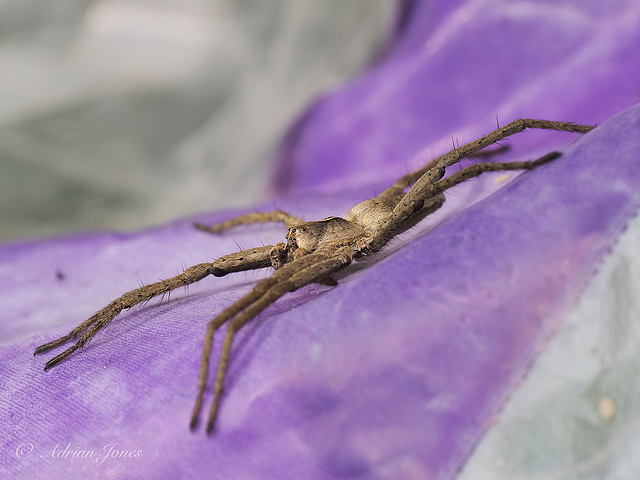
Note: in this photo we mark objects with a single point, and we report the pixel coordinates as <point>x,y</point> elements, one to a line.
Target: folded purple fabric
<point>398,371</point>
<point>453,71</point>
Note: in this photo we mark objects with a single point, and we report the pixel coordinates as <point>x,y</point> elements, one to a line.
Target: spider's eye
<point>293,230</point>
<point>303,229</point>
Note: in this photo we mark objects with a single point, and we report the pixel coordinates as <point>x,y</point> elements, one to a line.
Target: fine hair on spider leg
<point>312,251</point>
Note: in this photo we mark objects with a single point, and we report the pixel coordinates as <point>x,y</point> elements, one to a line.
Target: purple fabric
<point>454,69</point>
<point>398,371</point>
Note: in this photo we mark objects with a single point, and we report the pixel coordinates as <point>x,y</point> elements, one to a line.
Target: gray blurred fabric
<point>121,114</point>
<point>576,415</point>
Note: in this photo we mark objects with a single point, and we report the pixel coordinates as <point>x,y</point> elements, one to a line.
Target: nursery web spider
<point>312,251</point>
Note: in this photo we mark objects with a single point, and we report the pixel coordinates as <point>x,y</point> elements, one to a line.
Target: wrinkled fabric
<point>400,370</point>
<point>454,71</point>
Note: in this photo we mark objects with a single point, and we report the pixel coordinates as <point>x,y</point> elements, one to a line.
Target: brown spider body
<point>313,251</point>
<point>328,233</point>
<point>355,230</point>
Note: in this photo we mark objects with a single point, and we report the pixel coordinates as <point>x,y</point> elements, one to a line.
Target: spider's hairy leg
<point>435,186</point>
<point>511,128</point>
<point>283,270</point>
<point>290,277</point>
<point>245,260</point>
<point>435,173</point>
<point>424,187</point>
<point>477,169</point>
<point>410,178</point>
<point>249,218</point>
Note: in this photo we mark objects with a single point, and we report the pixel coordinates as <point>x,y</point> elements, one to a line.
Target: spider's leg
<point>290,277</point>
<point>256,217</point>
<point>432,185</point>
<point>512,128</point>
<point>410,178</point>
<point>477,169</point>
<point>400,221</point>
<point>245,260</point>
<point>432,175</point>
<point>256,292</point>
<point>415,198</point>
<point>318,270</point>
<point>423,189</point>
<point>96,322</point>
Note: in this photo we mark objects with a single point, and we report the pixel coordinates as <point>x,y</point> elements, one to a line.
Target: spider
<point>313,251</point>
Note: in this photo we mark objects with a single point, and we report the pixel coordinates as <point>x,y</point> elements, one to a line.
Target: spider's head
<point>301,236</point>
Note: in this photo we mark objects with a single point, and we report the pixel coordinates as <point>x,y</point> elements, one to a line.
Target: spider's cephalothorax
<point>310,236</point>
<point>313,251</point>
<point>306,237</point>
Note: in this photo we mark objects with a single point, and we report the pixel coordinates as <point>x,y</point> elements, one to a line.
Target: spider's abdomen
<point>370,213</point>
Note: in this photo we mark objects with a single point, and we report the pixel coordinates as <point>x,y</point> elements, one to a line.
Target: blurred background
<point>121,114</point>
